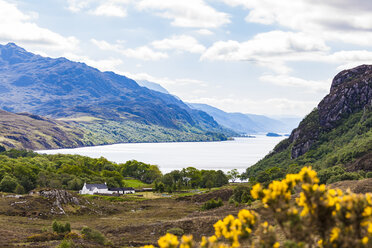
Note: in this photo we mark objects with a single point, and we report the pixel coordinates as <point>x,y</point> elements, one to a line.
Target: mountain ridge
<point>59,88</point>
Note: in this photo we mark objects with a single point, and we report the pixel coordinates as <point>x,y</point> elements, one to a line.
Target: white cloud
<point>16,26</point>
<point>204,31</point>
<point>112,8</point>
<point>165,81</point>
<point>180,43</point>
<point>109,9</point>
<point>271,49</point>
<point>109,64</point>
<point>342,20</point>
<point>142,53</point>
<point>191,13</point>
<point>288,81</point>
<point>272,106</point>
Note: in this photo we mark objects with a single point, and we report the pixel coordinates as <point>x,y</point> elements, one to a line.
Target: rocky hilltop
<point>337,132</point>
<point>351,92</point>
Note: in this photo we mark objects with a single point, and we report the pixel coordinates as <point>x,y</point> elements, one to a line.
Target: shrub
<point>212,204</point>
<point>241,194</point>
<point>47,236</point>
<point>66,244</point>
<point>369,174</point>
<point>176,231</point>
<point>8,184</point>
<point>319,217</point>
<point>19,189</point>
<point>60,228</point>
<point>72,235</point>
<point>93,235</point>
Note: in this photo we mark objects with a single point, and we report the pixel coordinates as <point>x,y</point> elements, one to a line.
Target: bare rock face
<point>59,198</point>
<point>351,92</point>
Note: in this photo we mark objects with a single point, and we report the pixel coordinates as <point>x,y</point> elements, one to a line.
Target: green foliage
<point>212,204</point>
<point>30,170</point>
<point>66,244</point>
<point>93,235</point>
<point>61,228</point>
<point>176,231</point>
<point>193,178</point>
<point>8,184</point>
<point>242,194</point>
<point>333,150</point>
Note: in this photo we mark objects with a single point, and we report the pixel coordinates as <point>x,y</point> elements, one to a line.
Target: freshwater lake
<point>239,153</point>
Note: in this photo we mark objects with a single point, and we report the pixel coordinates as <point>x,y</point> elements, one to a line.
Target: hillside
<point>26,131</point>
<point>246,123</point>
<point>335,138</point>
<point>59,88</point>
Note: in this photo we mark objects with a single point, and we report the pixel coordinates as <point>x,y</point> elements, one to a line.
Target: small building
<point>122,191</point>
<point>91,189</point>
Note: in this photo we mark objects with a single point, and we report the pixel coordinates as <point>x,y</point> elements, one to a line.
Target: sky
<point>252,56</point>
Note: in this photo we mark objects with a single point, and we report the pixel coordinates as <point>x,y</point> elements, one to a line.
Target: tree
<point>8,184</point>
<point>233,175</point>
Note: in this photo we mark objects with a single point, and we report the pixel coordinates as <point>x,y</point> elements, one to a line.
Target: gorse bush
<point>318,217</point>
<point>212,204</point>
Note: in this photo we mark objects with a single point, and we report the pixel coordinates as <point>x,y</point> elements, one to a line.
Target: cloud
<point>16,26</point>
<point>109,64</point>
<point>179,43</point>
<point>204,31</point>
<point>109,9</point>
<point>191,13</point>
<point>341,20</point>
<point>271,49</point>
<point>288,81</point>
<point>272,106</point>
<point>142,53</point>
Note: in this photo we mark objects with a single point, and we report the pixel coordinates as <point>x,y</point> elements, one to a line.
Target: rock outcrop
<point>351,92</point>
<point>59,198</point>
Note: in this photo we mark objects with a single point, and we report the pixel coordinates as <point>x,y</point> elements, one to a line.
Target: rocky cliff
<point>338,133</point>
<point>351,92</point>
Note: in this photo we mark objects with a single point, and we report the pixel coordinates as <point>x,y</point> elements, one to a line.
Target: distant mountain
<point>245,123</point>
<point>60,88</point>
<point>152,86</point>
<point>335,138</point>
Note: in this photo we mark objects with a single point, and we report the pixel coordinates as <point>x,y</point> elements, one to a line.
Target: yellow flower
<point>256,189</point>
<point>365,240</point>
<point>334,234</point>
<point>168,241</point>
<point>320,242</point>
<point>148,246</point>
<point>276,245</point>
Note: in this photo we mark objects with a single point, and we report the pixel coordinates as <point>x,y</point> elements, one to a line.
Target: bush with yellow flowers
<point>317,217</point>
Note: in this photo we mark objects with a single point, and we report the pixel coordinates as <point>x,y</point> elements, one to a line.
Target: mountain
<point>335,138</point>
<point>62,89</point>
<point>246,123</point>
<point>152,86</point>
<point>29,131</point>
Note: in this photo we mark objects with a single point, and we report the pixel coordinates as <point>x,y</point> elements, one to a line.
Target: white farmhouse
<point>91,189</point>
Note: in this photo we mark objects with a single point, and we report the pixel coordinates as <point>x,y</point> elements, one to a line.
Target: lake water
<point>239,153</point>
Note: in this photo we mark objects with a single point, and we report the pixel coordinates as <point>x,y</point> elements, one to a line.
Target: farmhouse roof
<point>98,186</point>
<point>121,189</point>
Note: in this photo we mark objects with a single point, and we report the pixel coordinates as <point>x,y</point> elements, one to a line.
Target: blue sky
<point>252,56</point>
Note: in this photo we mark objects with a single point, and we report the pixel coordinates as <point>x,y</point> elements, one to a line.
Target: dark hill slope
<point>26,131</point>
<point>337,133</point>
<point>60,88</point>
